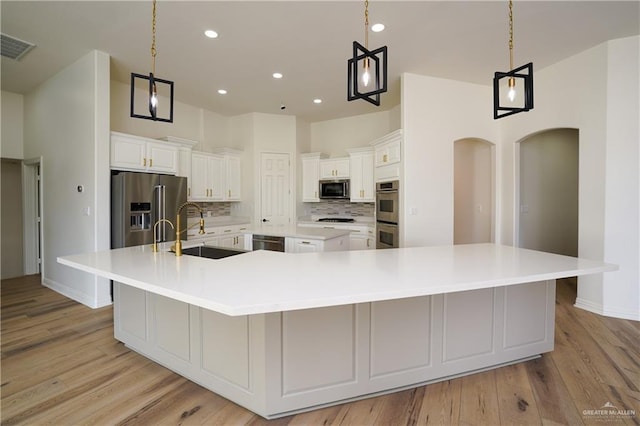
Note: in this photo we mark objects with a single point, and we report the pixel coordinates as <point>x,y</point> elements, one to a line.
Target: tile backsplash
<point>339,208</point>
<point>210,209</point>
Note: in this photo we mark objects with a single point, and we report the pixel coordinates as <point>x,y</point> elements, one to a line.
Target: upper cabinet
<point>388,156</point>
<point>135,153</point>
<point>311,176</point>
<point>334,168</point>
<point>206,177</point>
<point>185,147</point>
<point>216,177</point>
<point>231,174</point>
<point>362,176</point>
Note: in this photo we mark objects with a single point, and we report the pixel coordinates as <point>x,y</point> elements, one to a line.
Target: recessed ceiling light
<point>376,28</point>
<point>211,34</point>
<point>277,75</point>
<point>222,91</point>
<point>317,101</point>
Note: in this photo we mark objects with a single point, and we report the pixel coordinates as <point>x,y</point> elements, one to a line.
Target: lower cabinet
<point>300,245</point>
<point>279,363</point>
<point>310,245</point>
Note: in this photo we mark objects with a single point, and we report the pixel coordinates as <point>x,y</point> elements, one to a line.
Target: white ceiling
<point>308,41</point>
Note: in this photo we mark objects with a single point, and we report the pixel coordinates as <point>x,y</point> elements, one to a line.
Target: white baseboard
<point>607,311</point>
<point>72,293</point>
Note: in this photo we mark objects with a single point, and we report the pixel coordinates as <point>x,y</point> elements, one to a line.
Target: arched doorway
<point>474,182</point>
<point>548,192</point>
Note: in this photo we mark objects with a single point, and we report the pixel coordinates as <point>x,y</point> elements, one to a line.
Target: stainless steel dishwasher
<point>268,242</point>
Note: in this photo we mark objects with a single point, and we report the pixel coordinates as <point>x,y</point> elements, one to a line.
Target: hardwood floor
<point>62,366</point>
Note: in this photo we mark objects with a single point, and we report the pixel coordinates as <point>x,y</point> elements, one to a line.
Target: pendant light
<point>367,70</point>
<point>152,100</point>
<point>518,87</point>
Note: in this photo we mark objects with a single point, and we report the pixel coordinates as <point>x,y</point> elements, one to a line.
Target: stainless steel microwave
<point>335,189</point>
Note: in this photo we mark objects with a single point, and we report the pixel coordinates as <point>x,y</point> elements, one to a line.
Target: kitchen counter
<point>262,279</point>
<point>282,333</point>
<point>293,231</point>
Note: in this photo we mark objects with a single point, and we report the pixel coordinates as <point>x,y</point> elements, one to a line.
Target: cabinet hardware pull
<point>229,193</point>
<point>144,162</point>
<point>150,162</point>
<point>305,242</point>
<point>227,230</point>
<point>367,242</point>
<point>189,192</point>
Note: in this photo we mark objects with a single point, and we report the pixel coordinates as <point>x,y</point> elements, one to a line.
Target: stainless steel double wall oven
<point>387,214</point>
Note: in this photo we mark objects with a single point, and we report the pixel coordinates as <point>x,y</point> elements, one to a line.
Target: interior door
<point>275,188</point>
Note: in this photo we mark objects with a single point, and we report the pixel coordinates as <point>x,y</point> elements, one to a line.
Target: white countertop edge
<point>330,300</point>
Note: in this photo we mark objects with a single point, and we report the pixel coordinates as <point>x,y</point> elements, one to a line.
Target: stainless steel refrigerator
<point>138,201</point>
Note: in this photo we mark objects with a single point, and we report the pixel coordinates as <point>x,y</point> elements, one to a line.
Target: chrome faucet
<point>154,246</point>
<point>178,246</point>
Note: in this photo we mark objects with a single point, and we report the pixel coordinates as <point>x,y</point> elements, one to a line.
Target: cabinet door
<point>393,152</point>
<point>162,158</point>
<point>200,177</point>
<point>234,178</point>
<point>362,178</point>
<point>334,168</point>
<point>341,167</point>
<point>128,154</point>
<point>307,246</point>
<point>360,242</point>
<point>310,177</point>
<point>218,184</point>
<point>327,169</point>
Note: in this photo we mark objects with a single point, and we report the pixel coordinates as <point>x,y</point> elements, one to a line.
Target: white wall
<point>473,192</point>
<point>208,128</point>
<point>435,113</point>
<point>548,219</point>
<point>596,92</point>
<point>334,137</point>
<point>66,122</point>
<point>11,134</point>
<point>621,290</point>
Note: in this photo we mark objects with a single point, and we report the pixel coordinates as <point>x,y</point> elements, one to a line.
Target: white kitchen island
<point>280,333</point>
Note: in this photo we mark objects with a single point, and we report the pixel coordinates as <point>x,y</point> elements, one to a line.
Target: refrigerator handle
<point>157,212</point>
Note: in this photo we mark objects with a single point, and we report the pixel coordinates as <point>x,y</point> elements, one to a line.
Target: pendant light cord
<point>510,35</point>
<point>153,39</point>
<point>366,24</point>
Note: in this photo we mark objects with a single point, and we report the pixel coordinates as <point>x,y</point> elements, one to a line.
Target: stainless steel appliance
<point>138,201</point>
<point>387,235</point>
<point>334,189</point>
<point>387,214</point>
<point>268,242</point>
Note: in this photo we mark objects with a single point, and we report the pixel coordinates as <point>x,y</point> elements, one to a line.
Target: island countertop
<point>293,231</point>
<point>266,281</point>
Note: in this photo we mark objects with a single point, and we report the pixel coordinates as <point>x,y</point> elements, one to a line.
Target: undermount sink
<point>211,252</point>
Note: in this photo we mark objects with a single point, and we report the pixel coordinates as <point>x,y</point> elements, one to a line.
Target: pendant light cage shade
<point>142,104</point>
<point>521,78</point>
<point>375,63</point>
<point>152,93</point>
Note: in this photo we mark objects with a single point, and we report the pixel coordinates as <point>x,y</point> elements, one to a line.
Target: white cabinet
<point>206,177</point>
<point>362,178</point>
<point>231,175</point>
<point>232,236</point>
<point>216,177</point>
<point>185,148</point>
<point>388,156</point>
<point>334,168</point>
<point>303,245</point>
<point>311,176</point>
<point>362,238</point>
<point>135,153</point>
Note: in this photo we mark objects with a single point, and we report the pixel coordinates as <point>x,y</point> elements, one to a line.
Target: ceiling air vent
<point>14,48</point>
